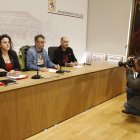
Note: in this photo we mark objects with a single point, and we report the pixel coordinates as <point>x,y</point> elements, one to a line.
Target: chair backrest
<point>22,57</point>
<point>51,51</point>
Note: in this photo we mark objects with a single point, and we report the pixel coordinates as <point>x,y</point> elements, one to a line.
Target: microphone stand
<point>87,64</point>
<point>60,71</point>
<point>37,76</point>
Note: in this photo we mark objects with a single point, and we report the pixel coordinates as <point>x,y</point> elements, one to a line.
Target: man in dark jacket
<point>132,106</point>
<point>64,55</point>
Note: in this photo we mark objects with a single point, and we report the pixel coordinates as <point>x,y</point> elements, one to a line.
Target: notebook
<point>7,82</point>
<point>18,77</point>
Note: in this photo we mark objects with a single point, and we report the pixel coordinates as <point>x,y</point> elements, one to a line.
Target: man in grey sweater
<point>132,106</point>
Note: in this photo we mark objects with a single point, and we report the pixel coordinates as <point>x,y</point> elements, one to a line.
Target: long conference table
<point>31,106</point>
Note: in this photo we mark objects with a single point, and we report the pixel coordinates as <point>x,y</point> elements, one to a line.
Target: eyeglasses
<point>41,42</point>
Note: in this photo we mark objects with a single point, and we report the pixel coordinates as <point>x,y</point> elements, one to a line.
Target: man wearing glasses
<point>37,57</point>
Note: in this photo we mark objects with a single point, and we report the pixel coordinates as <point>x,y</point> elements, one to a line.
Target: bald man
<point>64,55</point>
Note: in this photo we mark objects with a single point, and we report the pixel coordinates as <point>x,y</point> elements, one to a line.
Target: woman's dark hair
<point>10,40</point>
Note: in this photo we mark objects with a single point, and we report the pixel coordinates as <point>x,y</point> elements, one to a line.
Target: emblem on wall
<point>52,6</point>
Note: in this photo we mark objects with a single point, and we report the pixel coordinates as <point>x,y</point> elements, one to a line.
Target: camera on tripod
<point>129,63</point>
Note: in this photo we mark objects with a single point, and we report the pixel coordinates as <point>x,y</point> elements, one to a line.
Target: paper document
<point>78,66</point>
<point>52,70</point>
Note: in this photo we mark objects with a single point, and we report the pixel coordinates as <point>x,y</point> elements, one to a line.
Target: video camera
<point>129,63</point>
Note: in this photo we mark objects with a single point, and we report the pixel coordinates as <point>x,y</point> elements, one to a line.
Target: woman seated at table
<point>8,57</point>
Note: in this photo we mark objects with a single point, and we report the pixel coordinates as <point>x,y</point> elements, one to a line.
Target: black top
<point>133,83</point>
<point>61,57</point>
<point>13,58</point>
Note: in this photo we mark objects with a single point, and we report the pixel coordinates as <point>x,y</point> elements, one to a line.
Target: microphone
<point>60,63</point>
<point>87,64</point>
<point>37,76</point>
<point>60,71</point>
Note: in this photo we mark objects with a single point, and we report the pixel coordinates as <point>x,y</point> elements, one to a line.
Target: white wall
<point>108,22</point>
<point>51,25</point>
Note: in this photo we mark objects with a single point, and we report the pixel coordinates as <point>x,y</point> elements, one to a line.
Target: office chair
<point>51,51</point>
<point>22,57</point>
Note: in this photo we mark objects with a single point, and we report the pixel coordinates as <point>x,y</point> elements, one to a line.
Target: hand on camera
<point>128,59</point>
<point>129,68</point>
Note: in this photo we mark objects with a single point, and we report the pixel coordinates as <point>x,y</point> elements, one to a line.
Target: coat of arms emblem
<point>51,5</point>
